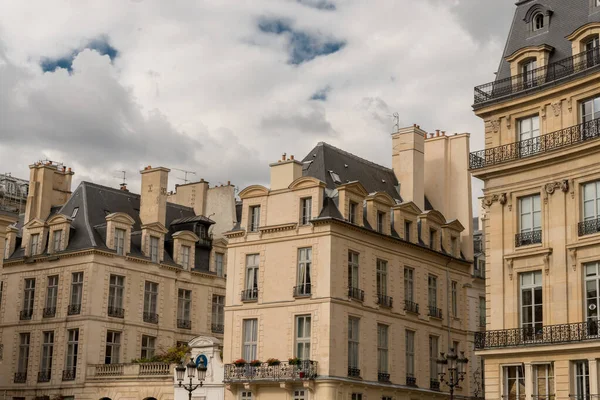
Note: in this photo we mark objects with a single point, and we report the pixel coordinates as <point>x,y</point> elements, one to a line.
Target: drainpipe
<point>448,289</point>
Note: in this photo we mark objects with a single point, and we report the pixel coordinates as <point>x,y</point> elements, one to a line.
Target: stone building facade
<point>351,270</point>
<point>94,279</point>
<point>541,169</point>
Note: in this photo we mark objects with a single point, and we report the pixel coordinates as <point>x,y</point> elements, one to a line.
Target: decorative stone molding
<point>489,200</point>
<point>570,104</point>
<point>509,265</point>
<point>543,112</point>
<point>573,258</point>
<point>547,263</point>
<point>495,125</point>
<point>508,121</point>
<point>557,107</point>
<point>563,185</point>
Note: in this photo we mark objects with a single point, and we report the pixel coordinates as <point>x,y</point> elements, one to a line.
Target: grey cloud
<point>310,120</point>
<point>484,19</point>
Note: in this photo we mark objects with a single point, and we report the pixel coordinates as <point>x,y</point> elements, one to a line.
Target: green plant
<point>172,355</point>
<point>273,361</point>
<point>294,361</point>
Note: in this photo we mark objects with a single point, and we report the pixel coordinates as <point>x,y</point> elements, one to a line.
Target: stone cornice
<point>278,228</point>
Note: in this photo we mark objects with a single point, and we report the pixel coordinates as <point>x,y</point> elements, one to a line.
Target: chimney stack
<point>408,163</point>
<point>49,186</point>
<point>284,172</point>
<point>153,196</point>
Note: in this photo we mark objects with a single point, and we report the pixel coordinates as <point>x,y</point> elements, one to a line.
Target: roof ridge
<point>324,144</point>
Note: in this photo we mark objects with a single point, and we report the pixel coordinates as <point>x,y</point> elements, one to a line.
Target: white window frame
<point>185,257</point>
<point>150,297</point>
<point>115,291</point>
<point>454,288</point>
<point>57,240</point>
<point>304,270</point>
<point>52,292</point>
<point>529,206</point>
<point>34,244</point>
<point>72,349</point>
<point>409,284</point>
<point>218,310</point>
<point>380,221</point>
<point>353,212</point>
<point>353,270</point>
<point>595,109</point>
<point>113,343</point>
<point>29,294</point>
<point>531,288</point>
<point>252,270</point>
<point>543,373</point>
<point>250,339</point>
<point>382,349</point>
<point>154,249</point>
<point>434,342</point>
<point>407,229</point>
<point>591,273</point>
<point>47,352</point>
<point>148,347</point>
<point>527,68</point>
<point>24,346</point>
<point>382,277</point>
<point>76,288</point>
<point>245,395</point>
<point>581,380</point>
<point>519,381</point>
<point>254,218</point>
<point>409,352</point>
<point>305,210</point>
<point>591,200</point>
<point>303,332</point>
<point>120,241</point>
<point>300,393</point>
<point>219,258</point>
<point>354,342</point>
<point>432,290</point>
<point>538,22</point>
<point>529,127</point>
<point>184,304</point>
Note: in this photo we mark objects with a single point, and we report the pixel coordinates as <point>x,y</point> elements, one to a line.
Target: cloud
<point>321,94</point>
<point>318,4</point>
<point>101,45</point>
<point>310,120</point>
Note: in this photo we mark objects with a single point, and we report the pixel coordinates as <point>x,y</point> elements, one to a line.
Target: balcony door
<point>529,133</point>
<point>592,52</point>
<point>531,305</point>
<point>514,383</point>
<point>581,371</point>
<point>590,114</point>
<point>528,70</point>
<point>592,297</point>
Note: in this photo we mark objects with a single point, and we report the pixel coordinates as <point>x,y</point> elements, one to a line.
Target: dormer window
<point>33,244</point>
<point>306,210</point>
<point>454,246</point>
<point>120,241</point>
<point>592,51</point>
<point>432,238</point>
<point>352,217</point>
<point>538,21</point>
<point>56,240</point>
<point>201,230</point>
<point>528,70</point>
<point>154,249</point>
<point>254,218</point>
<point>380,221</point>
<point>407,228</point>
<point>185,257</point>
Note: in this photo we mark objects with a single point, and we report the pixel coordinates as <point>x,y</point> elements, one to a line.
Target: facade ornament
<point>556,107</point>
<point>509,264</point>
<point>489,200</point>
<point>502,199</point>
<point>563,185</point>
<point>573,188</point>
<point>547,263</point>
<point>508,121</point>
<point>543,112</point>
<point>570,104</point>
<point>573,257</point>
<point>495,125</point>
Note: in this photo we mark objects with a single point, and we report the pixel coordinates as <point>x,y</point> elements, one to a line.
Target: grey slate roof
<point>567,16</point>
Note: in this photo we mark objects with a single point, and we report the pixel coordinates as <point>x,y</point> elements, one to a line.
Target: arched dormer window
<point>538,21</point>
<point>538,18</point>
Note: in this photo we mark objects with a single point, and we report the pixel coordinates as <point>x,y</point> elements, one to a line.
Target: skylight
<point>74,213</point>
<point>335,177</point>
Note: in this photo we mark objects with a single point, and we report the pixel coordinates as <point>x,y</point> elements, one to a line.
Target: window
<point>382,349</point>
<point>530,214</point>
<point>29,295</point>
<point>115,292</point>
<point>455,299</point>
<point>353,349</point>
<point>482,311</point>
<point>409,338</point>
<point>432,290</point>
<point>47,353</point>
<point>335,177</point>
<point>514,383</point>
<point>529,128</point>
<point>219,264</point>
<point>591,201</point>
<point>531,303</point>
<point>24,342</point>
<point>538,21</point>
<point>592,49</point>
<point>1,290</point>
<point>113,347</point>
<point>582,379</point>
<point>528,73</point>
<point>304,267</point>
<point>33,245</point>
<point>408,284</point>
<point>6,249</point>
<point>357,396</point>
<point>407,229</point>
<point>245,395</point>
<point>185,257</point>
<point>254,218</point>
<point>51,296</point>
<point>432,239</point>
<point>218,314</point>
<point>184,304</point>
<point>120,241</point>
<point>300,394</point>
<point>381,277</point>
<point>543,381</point>
<point>148,343</point>
<point>76,288</point>
<point>353,272</point>
<point>306,211</point>
<point>150,300</point>
<point>56,240</point>
<point>380,221</point>
<point>352,217</point>
<point>252,261</point>
<point>303,332</point>
<point>74,213</point>
<point>454,246</point>
<point>433,355</point>
<point>250,339</point>
<point>154,249</point>
<point>590,111</point>
<point>592,294</point>
<point>72,351</point>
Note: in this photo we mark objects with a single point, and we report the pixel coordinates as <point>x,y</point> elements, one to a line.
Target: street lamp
<point>191,373</point>
<point>454,366</point>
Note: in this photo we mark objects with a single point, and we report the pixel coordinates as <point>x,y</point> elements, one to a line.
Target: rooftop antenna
<point>185,172</point>
<point>396,126</point>
<point>123,183</point>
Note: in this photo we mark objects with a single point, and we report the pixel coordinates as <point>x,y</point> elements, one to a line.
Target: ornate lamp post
<point>454,367</point>
<point>191,373</point>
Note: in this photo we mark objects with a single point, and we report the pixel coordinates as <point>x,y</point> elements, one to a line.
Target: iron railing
<point>304,290</point>
<point>411,306</point>
<point>184,324</point>
<point>434,384</point>
<point>20,377</point>
<point>69,374</point>
<point>536,145</point>
<point>588,227</point>
<point>73,309</point>
<point>250,294</point>
<point>44,376</point>
<point>383,377</point>
<point>549,334</point>
<point>353,372</point>
<point>26,315</point>
<point>527,238</point>
<point>49,312</point>
<point>150,317</point>
<point>435,312</point>
<point>217,328</point>
<point>356,294</point>
<point>534,80</point>
<point>411,380</point>
<point>385,301</point>
<point>116,312</point>
<point>305,370</point>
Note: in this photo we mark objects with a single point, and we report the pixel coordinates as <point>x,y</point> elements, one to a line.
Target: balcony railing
<point>549,334</point>
<point>527,238</point>
<point>353,372</point>
<point>356,294</point>
<point>69,374</point>
<point>384,301</point>
<point>108,371</point>
<point>435,312</point>
<point>74,309</point>
<point>411,306</point>
<point>383,377</point>
<point>217,328</point>
<point>411,380</point>
<point>537,145</point>
<point>151,317</point>
<point>250,294</point>
<point>283,372</point>
<point>184,324</point>
<point>49,312</point>
<point>116,312</point>
<point>155,368</point>
<point>303,290</point>
<point>26,315</point>
<point>588,227</point>
<point>434,384</point>
<point>532,81</point>
<point>20,377</point>
<point>44,376</point>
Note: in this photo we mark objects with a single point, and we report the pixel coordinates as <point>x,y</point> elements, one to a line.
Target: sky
<point>224,87</point>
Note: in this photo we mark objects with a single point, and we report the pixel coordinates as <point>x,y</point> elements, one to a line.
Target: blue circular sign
<point>201,359</point>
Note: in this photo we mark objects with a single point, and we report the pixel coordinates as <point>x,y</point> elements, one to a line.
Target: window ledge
<point>528,251</point>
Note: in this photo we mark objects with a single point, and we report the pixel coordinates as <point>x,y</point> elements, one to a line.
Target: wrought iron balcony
<point>74,309</point>
<point>151,317</point>
<point>539,78</point>
<point>305,370</point>
<point>549,334</point>
<point>20,377</point>
<point>384,301</point>
<point>383,377</point>
<point>303,290</point>
<point>49,312</point>
<point>435,312</point>
<point>44,376</point>
<point>356,294</point>
<point>537,145</point>
<point>411,380</point>
<point>26,315</point>
<point>250,294</point>
<point>353,372</point>
<point>217,328</point>
<point>69,374</point>
<point>434,384</point>
<point>411,306</point>
<point>116,312</point>
<point>184,324</point>
<point>527,238</point>
<point>588,227</point>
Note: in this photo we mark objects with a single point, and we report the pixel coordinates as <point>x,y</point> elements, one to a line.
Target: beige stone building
<point>360,273</point>
<point>96,278</point>
<point>541,168</point>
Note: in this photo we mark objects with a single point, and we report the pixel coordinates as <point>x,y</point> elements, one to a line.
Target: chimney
<point>408,163</point>
<point>284,172</point>
<point>153,196</point>
<point>49,186</point>
<point>191,195</point>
